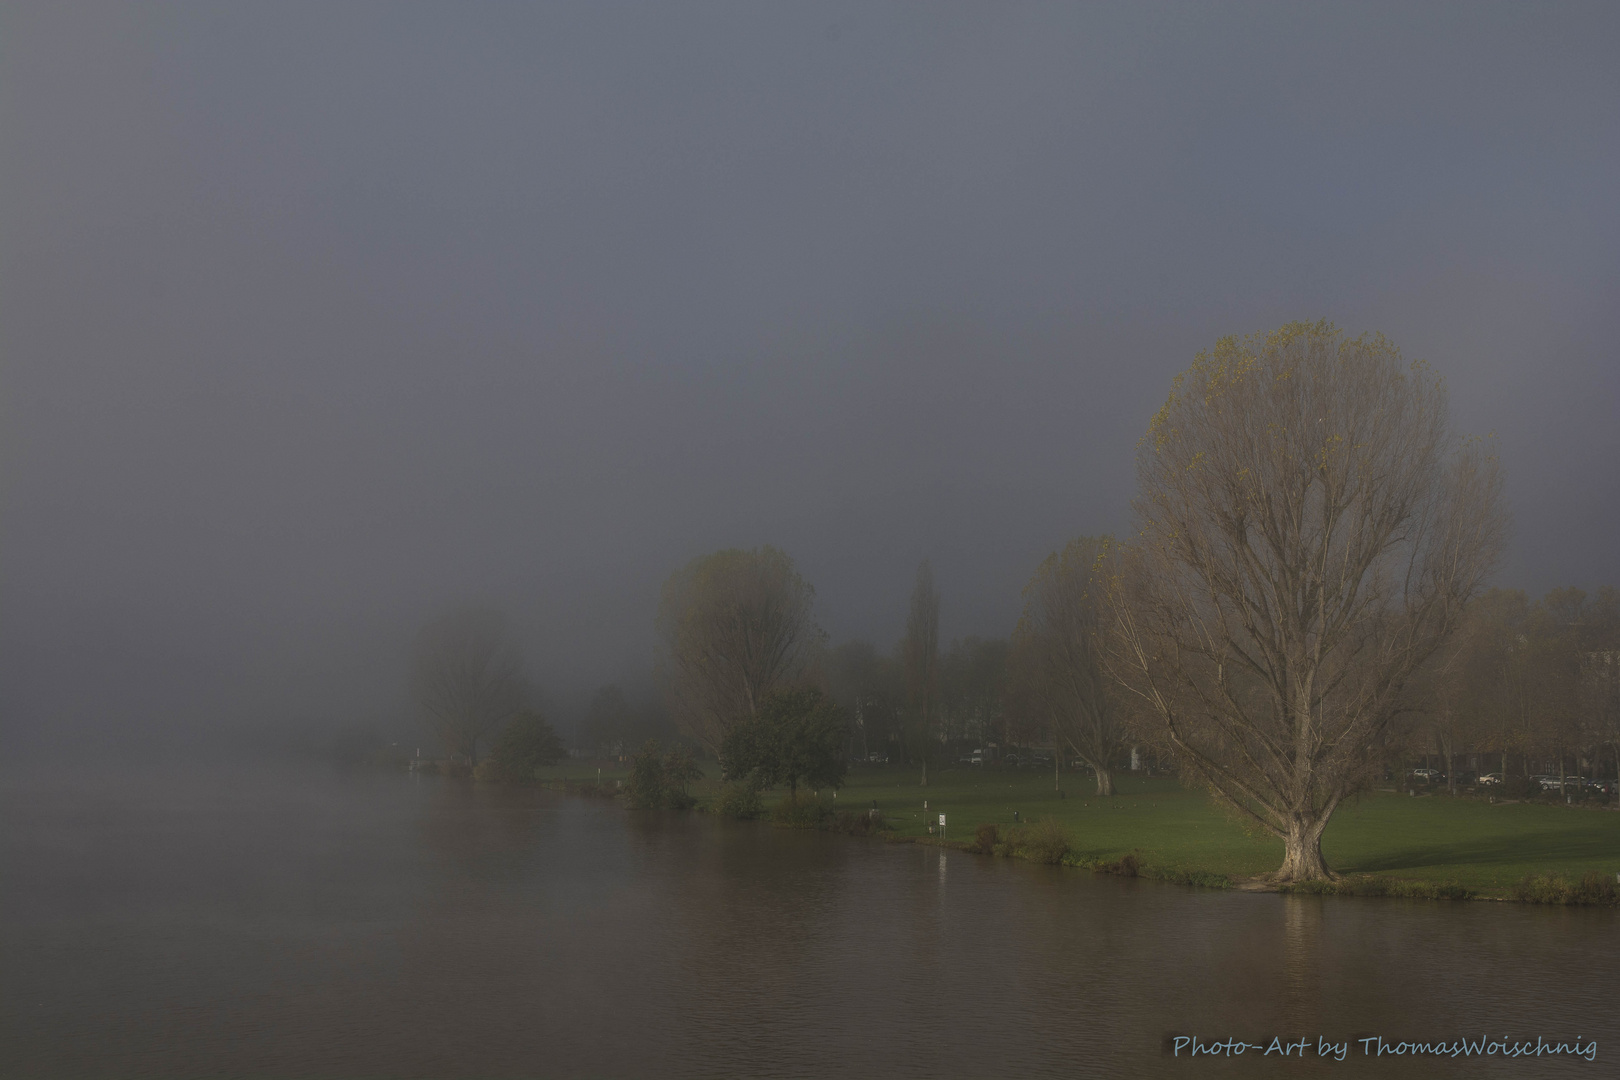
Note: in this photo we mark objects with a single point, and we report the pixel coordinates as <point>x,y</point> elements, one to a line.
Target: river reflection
<point>1302,929</point>
<point>306,923</point>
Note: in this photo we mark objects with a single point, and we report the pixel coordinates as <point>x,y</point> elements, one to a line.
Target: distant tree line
<point>1526,686</point>
<point>739,630</point>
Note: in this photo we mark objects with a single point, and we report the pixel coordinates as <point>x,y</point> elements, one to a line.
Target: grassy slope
<point>1436,838</point>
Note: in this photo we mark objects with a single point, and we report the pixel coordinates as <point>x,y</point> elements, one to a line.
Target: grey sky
<point>316,318</point>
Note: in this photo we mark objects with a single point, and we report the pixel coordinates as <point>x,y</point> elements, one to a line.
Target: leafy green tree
<point>525,744</point>
<point>680,770</point>
<point>644,789</point>
<point>799,737</point>
<point>659,778</point>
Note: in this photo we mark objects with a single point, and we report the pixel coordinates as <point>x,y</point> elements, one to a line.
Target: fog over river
<point>299,921</point>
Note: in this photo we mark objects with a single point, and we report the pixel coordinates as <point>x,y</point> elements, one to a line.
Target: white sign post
<point>942,828</point>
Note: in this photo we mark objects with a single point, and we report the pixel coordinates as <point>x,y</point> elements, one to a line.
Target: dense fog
<point>320,319</point>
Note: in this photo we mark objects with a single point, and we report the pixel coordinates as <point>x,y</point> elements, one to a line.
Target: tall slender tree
<point>920,655</point>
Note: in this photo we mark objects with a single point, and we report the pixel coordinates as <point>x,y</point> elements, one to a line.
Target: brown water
<point>300,922</point>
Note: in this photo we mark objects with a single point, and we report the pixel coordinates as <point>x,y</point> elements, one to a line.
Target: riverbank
<point>1439,844</point>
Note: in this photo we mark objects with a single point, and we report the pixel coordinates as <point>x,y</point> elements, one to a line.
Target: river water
<point>300,922</point>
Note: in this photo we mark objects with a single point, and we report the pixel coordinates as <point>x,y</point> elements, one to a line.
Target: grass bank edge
<point>1566,885</point>
<point>1592,889</point>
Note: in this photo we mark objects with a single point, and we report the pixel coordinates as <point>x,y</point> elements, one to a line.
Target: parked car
<point>1428,776</point>
<point>1490,778</point>
<point>1552,783</point>
<point>1013,760</point>
<point>878,759</point>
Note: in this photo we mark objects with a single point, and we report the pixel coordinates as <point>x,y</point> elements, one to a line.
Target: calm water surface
<point>298,922</point>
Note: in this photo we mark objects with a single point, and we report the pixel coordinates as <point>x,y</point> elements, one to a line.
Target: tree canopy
<point>799,737</point>
<point>659,777</point>
<point>525,744</point>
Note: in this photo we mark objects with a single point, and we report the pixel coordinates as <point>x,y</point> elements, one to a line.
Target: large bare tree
<point>919,651</point>
<point>1309,533</point>
<point>737,625</point>
<point>466,677</point>
<point>1058,657</point>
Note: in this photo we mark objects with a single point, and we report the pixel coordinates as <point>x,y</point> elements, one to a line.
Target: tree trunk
<point>1302,850</point>
<point>1442,750</point>
<point>1057,769</point>
<point>925,765</point>
<point>1105,782</point>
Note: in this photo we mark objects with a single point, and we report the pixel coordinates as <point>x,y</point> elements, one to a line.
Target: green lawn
<point>1436,838</point>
